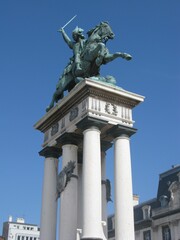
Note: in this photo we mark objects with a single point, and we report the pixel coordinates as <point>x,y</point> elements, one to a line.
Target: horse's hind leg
<point>51,103</point>
<point>56,96</point>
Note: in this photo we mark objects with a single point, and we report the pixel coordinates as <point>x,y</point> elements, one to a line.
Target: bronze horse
<point>94,54</point>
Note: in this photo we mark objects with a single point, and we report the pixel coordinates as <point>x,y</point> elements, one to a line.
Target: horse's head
<point>102,32</point>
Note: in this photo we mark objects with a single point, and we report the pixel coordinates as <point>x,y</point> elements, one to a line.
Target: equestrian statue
<point>88,56</point>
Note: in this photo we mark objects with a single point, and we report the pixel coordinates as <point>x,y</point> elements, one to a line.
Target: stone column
<point>79,219</point>
<point>104,200</point>
<point>124,217</point>
<point>91,186</point>
<point>68,197</point>
<point>49,194</point>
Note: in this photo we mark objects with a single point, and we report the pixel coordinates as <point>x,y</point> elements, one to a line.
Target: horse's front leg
<point>110,57</point>
<point>126,56</point>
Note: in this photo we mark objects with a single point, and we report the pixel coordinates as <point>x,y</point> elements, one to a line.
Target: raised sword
<point>67,23</point>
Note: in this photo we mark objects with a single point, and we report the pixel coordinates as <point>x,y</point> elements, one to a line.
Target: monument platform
<point>81,127</point>
<point>91,100</point>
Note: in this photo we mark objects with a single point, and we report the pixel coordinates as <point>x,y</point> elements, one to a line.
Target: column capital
<point>88,122</point>
<point>50,152</point>
<point>119,130</point>
<point>69,138</point>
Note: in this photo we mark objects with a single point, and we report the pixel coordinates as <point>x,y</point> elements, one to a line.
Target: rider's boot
<point>99,60</point>
<point>78,70</point>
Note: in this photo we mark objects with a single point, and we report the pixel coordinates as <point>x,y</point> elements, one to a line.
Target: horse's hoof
<point>48,108</point>
<point>128,57</point>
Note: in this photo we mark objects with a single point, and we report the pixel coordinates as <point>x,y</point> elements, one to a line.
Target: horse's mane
<point>89,33</point>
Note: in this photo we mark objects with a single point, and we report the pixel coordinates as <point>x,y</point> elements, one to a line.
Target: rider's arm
<point>66,38</point>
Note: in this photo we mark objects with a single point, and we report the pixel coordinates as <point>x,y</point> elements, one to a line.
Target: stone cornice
<point>167,213</point>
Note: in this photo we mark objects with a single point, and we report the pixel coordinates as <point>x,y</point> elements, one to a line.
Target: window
<point>18,238</point>
<point>147,235</point>
<point>146,212</point>
<point>163,200</point>
<point>166,233</point>
<point>146,215</point>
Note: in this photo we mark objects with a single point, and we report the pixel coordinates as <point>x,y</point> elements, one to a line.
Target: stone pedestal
<point>86,123</point>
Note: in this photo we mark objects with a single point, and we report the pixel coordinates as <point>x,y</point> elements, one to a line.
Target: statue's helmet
<point>77,32</point>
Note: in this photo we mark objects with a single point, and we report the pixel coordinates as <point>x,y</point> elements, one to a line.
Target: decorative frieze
<point>73,113</point>
<point>111,109</point>
<point>107,111</point>
<point>54,129</point>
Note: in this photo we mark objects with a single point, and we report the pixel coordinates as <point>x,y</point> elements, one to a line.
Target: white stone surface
<point>20,230</point>
<point>79,214</point>
<point>93,107</point>
<point>49,199</point>
<point>124,220</point>
<point>68,198</point>
<point>91,195</point>
<point>104,201</point>
<point>112,105</point>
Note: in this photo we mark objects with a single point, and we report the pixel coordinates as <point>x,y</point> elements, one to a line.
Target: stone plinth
<point>89,99</point>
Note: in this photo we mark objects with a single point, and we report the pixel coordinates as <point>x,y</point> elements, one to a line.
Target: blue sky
<point>33,55</point>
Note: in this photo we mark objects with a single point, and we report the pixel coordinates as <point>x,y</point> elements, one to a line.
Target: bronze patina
<point>88,56</point>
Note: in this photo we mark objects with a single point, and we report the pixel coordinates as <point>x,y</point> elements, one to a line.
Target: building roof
<point>165,180</point>
<point>19,223</point>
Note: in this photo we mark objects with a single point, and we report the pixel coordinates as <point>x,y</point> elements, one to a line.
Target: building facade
<point>19,230</point>
<point>158,218</point>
